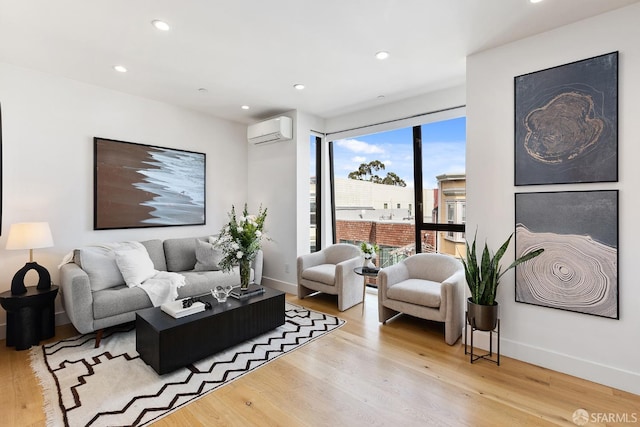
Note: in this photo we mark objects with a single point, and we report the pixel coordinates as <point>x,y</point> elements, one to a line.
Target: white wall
<point>48,125</point>
<point>279,180</point>
<point>272,184</point>
<point>599,349</point>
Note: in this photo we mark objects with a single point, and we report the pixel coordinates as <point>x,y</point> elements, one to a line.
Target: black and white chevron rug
<point>111,385</point>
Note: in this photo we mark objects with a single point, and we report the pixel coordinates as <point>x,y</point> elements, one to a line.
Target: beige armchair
<point>429,286</point>
<point>330,270</point>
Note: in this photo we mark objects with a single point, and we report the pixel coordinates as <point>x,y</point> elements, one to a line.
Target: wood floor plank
<point>363,374</point>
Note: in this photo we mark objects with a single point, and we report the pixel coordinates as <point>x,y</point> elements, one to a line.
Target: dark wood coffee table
<point>167,344</point>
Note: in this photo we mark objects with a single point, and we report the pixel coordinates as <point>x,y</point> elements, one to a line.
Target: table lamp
<point>30,235</point>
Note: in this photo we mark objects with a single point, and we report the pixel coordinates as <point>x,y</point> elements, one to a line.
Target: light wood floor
<point>399,374</point>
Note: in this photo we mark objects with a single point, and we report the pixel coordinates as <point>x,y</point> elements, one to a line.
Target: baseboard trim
<point>571,365</point>
<point>560,362</point>
<point>289,288</point>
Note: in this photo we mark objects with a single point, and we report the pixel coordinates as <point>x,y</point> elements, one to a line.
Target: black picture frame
<point>566,123</point>
<point>578,270</point>
<point>140,186</point>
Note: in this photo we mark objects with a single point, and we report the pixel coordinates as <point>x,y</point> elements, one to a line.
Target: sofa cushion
<point>135,265</point>
<point>323,273</point>
<point>118,300</point>
<point>180,253</point>
<point>99,262</point>
<point>156,253</point>
<point>416,291</point>
<point>207,256</point>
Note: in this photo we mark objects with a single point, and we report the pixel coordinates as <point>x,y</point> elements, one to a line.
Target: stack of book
<point>176,309</point>
<point>370,270</point>
<point>251,291</point>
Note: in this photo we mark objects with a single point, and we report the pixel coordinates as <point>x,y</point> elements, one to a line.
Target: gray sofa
<point>93,301</point>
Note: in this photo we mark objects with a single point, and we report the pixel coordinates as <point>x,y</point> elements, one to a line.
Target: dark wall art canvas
<point>138,185</point>
<point>566,123</point>
<point>578,270</point>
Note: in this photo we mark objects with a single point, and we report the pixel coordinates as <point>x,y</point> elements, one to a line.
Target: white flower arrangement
<point>369,250</point>
<point>240,238</point>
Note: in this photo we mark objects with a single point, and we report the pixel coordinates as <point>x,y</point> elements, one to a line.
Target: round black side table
<point>360,271</point>
<point>30,316</point>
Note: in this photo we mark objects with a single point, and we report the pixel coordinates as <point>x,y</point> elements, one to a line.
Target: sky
<point>443,151</point>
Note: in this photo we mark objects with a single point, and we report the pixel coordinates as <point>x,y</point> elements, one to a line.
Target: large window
<point>403,189</point>
<point>443,146</point>
<point>314,193</point>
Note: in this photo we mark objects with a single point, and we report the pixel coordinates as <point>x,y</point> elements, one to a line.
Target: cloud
<point>359,147</point>
<point>359,159</point>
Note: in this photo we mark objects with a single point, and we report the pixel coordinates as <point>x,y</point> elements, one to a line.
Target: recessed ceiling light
<point>245,107</point>
<point>298,86</point>
<point>203,90</point>
<point>535,1</point>
<point>120,68</point>
<point>380,97</point>
<point>382,54</point>
<point>160,25</point>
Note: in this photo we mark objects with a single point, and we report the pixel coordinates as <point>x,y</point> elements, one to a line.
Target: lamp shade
<point>29,235</point>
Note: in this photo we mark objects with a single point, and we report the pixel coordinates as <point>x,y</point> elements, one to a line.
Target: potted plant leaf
<point>483,280</point>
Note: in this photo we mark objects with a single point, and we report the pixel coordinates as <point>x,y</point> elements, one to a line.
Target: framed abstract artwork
<point>138,185</point>
<point>578,270</point>
<point>566,123</point>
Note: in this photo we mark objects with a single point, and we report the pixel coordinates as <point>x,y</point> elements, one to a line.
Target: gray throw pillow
<point>207,256</point>
<point>99,262</point>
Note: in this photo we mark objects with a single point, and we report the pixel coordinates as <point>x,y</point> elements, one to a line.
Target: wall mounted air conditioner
<point>273,130</point>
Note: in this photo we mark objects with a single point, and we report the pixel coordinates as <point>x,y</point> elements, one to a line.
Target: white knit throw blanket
<point>163,287</point>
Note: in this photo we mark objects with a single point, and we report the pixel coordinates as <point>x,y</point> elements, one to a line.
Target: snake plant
<point>483,279</point>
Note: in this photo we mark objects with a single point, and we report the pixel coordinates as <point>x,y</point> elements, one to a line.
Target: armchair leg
<point>452,331</point>
<point>304,291</point>
<point>385,314</point>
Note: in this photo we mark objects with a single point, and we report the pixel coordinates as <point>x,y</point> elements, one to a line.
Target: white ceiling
<point>253,51</point>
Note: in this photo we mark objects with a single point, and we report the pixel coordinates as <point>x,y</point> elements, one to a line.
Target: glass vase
<point>245,273</point>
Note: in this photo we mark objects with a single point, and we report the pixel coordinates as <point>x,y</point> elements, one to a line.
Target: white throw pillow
<point>135,265</point>
<point>99,262</point>
<point>208,256</point>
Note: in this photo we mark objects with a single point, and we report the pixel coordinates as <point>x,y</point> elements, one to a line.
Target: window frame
<point>318,198</point>
<point>420,225</point>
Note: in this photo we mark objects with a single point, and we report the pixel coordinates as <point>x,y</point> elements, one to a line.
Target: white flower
<point>240,237</point>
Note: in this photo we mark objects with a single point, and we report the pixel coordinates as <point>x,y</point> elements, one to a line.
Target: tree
<point>366,171</point>
<point>393,179</point>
